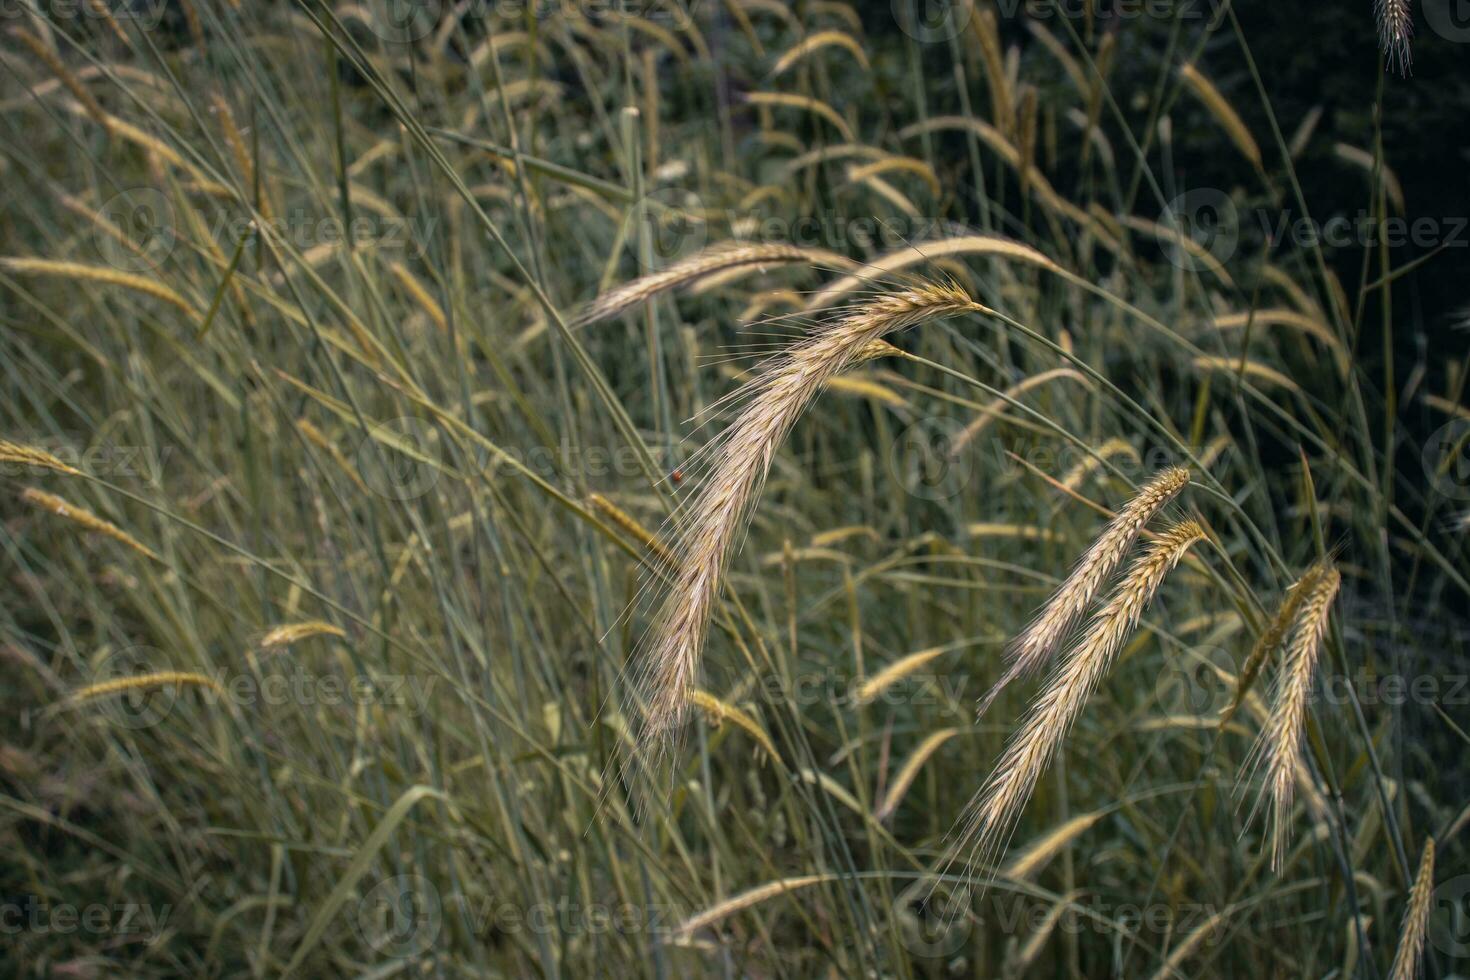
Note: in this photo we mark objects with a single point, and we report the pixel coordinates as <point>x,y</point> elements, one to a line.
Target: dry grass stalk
<point>420,295</point>
<point>14,452</point>
<point>144,681</point>
<point>909,771</point>
<point>993,811</point>
<point>85,518</point>
<point>817,41</point>
<point>745,900</point>
<point>64,75</point>
<point>1254,369</point>
<point>100,274</point>
<point>1395,30</point>
<point>719,712</point>
<point>629,524</point>
<point>739,462</point>
<point>897,671</point>
<point>1036,643</point>
<point>284,636</point>
<point>987,35</point>
<point>1191,942</point>
<point>1281,740</point>
<point>1040,852</point>
<point>1224,114</point>
<point>815,106</point>
<point>713,260</point>
<point>1408,960</point>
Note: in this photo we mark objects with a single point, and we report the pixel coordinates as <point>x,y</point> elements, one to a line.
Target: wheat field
<point>733,488</point>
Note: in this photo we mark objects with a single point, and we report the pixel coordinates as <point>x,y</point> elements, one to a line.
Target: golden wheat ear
<point>1281,741</point>
<point>1034,646</point>
<point>993,811</point>
<point>1408,961</point>
<point>709,532</point>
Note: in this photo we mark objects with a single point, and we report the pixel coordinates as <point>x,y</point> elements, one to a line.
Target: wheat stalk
<point>994,809</point>
<point>740,459</point>
<point>1280,741</point>
<point>1028,651</point>
<point>1408,960</point>
<point>909,771</point>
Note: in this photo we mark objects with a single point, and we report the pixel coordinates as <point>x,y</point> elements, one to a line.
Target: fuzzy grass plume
<point>740,458</point>
<point>993,811</point>
<point>1029,651</point>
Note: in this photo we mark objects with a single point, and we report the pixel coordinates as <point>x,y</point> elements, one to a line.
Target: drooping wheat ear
<point>1031,649</point>
<point>86,519</point>
<point>1279,745</point>
<point>739,461</point>
<point>713,260</point>
<point>289,633</point>
<point>992,812</point>
<point>1395,30</point>
<point>102,274</point>
<point>14,452</point>
<point>1408,961</point>
<point>1272,635</point>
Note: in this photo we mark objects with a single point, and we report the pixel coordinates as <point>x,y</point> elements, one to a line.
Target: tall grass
<point>413,426</point>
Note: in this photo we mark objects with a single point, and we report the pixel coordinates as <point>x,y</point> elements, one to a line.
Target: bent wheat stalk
<point>1031,649</point>
<point>992,812</point>
<point>740,459</point>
